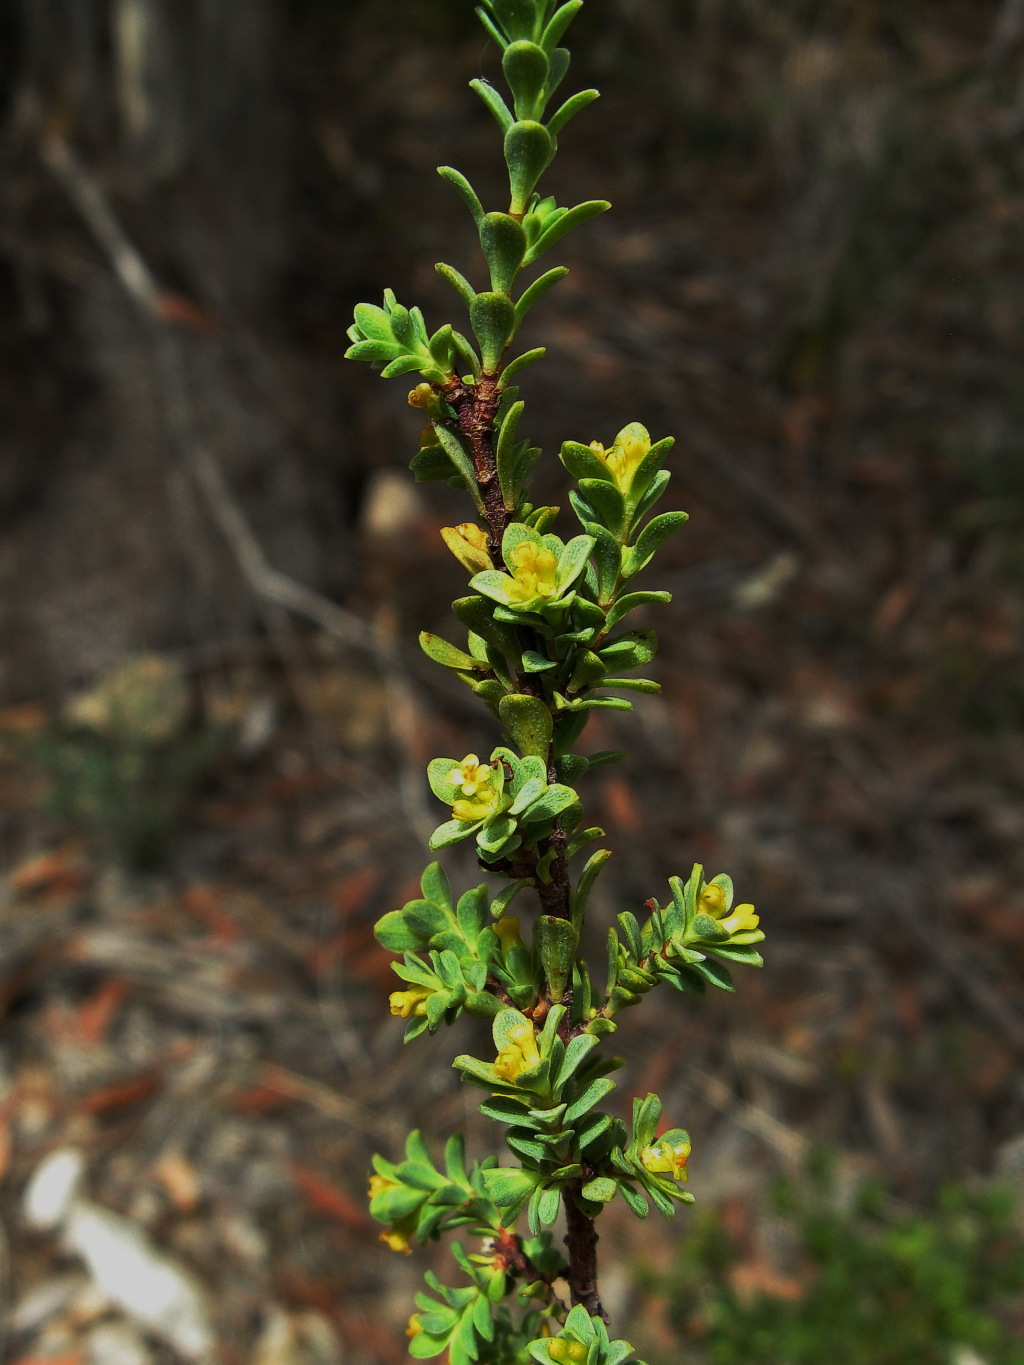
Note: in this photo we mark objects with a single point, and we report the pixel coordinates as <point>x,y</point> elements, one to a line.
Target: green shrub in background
<point>124,758</point>
<point>873,1284</point>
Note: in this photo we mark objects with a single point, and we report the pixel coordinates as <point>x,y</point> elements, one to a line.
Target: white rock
<point>45,1301</point>
<point>148,1286</point>
<point>53,1188</point>
<point>115,1343</point>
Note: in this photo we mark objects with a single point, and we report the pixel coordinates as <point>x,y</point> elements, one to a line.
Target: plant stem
<point>475,408</point>
<point>581,1242</point>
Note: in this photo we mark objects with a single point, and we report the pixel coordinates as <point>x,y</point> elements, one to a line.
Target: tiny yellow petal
<point>507,929</point>
<point>397,1241</point>
<point>712,900</point>
<point>414,1328</point>
<point>667,1158</point>
<point>742,920</point>
<point>468,543</point>
<point>421,396</point>
<point>404,1003</point>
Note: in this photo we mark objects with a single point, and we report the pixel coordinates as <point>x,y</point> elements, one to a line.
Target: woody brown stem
<point>476,406</point>
<point>581,1243</point>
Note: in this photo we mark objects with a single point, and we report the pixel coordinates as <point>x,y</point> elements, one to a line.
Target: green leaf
<point>577,1050</point>
<point>606,756</point>
<point>631,601</point>
<point>714,973</point>
<point>508,1187</point>
<point>529,148</point>
<point>529,793</point>
<point>473,913</point>
<point>558,23</point>
<point>658,485</point>
<point>430,464</point>
<point>602,1190</point>
<point>548,1206</point>
<point>465,189</point>
<point>556,942</point>
<point>455,448</point>
<point>533,292</point>
<point>493,317</point>
<point>526,69</point>
<point>466,353</point>
<point>495,833</point>
<point>520,363</point>
<point>395,934</point>
<point>503,242</point>
<point>423,1346</point>
<point>497,586</point>
<point>408,364</point>
<point>518,18</point>
<point>536,663</point>
<point>650,475</point>
<point>606,500</point>
<point>528,722</point>
<point>438,770</point>
<point>436,886</point>
<point>593,1094</point>
<point>582,463</point>
<point>651,538</point>
<point>552,802</point>
<point>646,1113</point>
<point>502,113</point>
<point>632,650</point>
<point>574,218</point>
<point>637,1203</point>
<point>572,561</point>
<point>737,952</point>
<point>607,556</point>
<point>373,322</point>
<point>507,895</point>
<point>375,352</point>
<point>451,832</point>
<point>646,685</point>
<point>443,653</point>
<point>477,614</point>
<point>458,282</point>
<point>572,106</point>
<point>505,456</point>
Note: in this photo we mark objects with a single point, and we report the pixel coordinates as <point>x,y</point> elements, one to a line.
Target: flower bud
<point>468,543</point>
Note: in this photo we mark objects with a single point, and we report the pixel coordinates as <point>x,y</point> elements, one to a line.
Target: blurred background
<point>214,720</point>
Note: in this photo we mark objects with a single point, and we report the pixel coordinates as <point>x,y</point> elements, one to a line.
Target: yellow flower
<point>397,1239</point>
<point>569,1352</point>
<point>507,929</point>
<point>415,1327</point>
<point>624,456</point>
<point>741,920</point>
<point>380,1183</point>
<point>468,543</point>
<point>421,396</point>
<point>712,901</point>
<point>404,1003</point>
<point>533,571</point>
<point>667,1158</point>
<point>520,1055</point>
<point>476,781</point>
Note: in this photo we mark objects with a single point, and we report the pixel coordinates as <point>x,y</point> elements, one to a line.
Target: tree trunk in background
<point>177,108</point>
